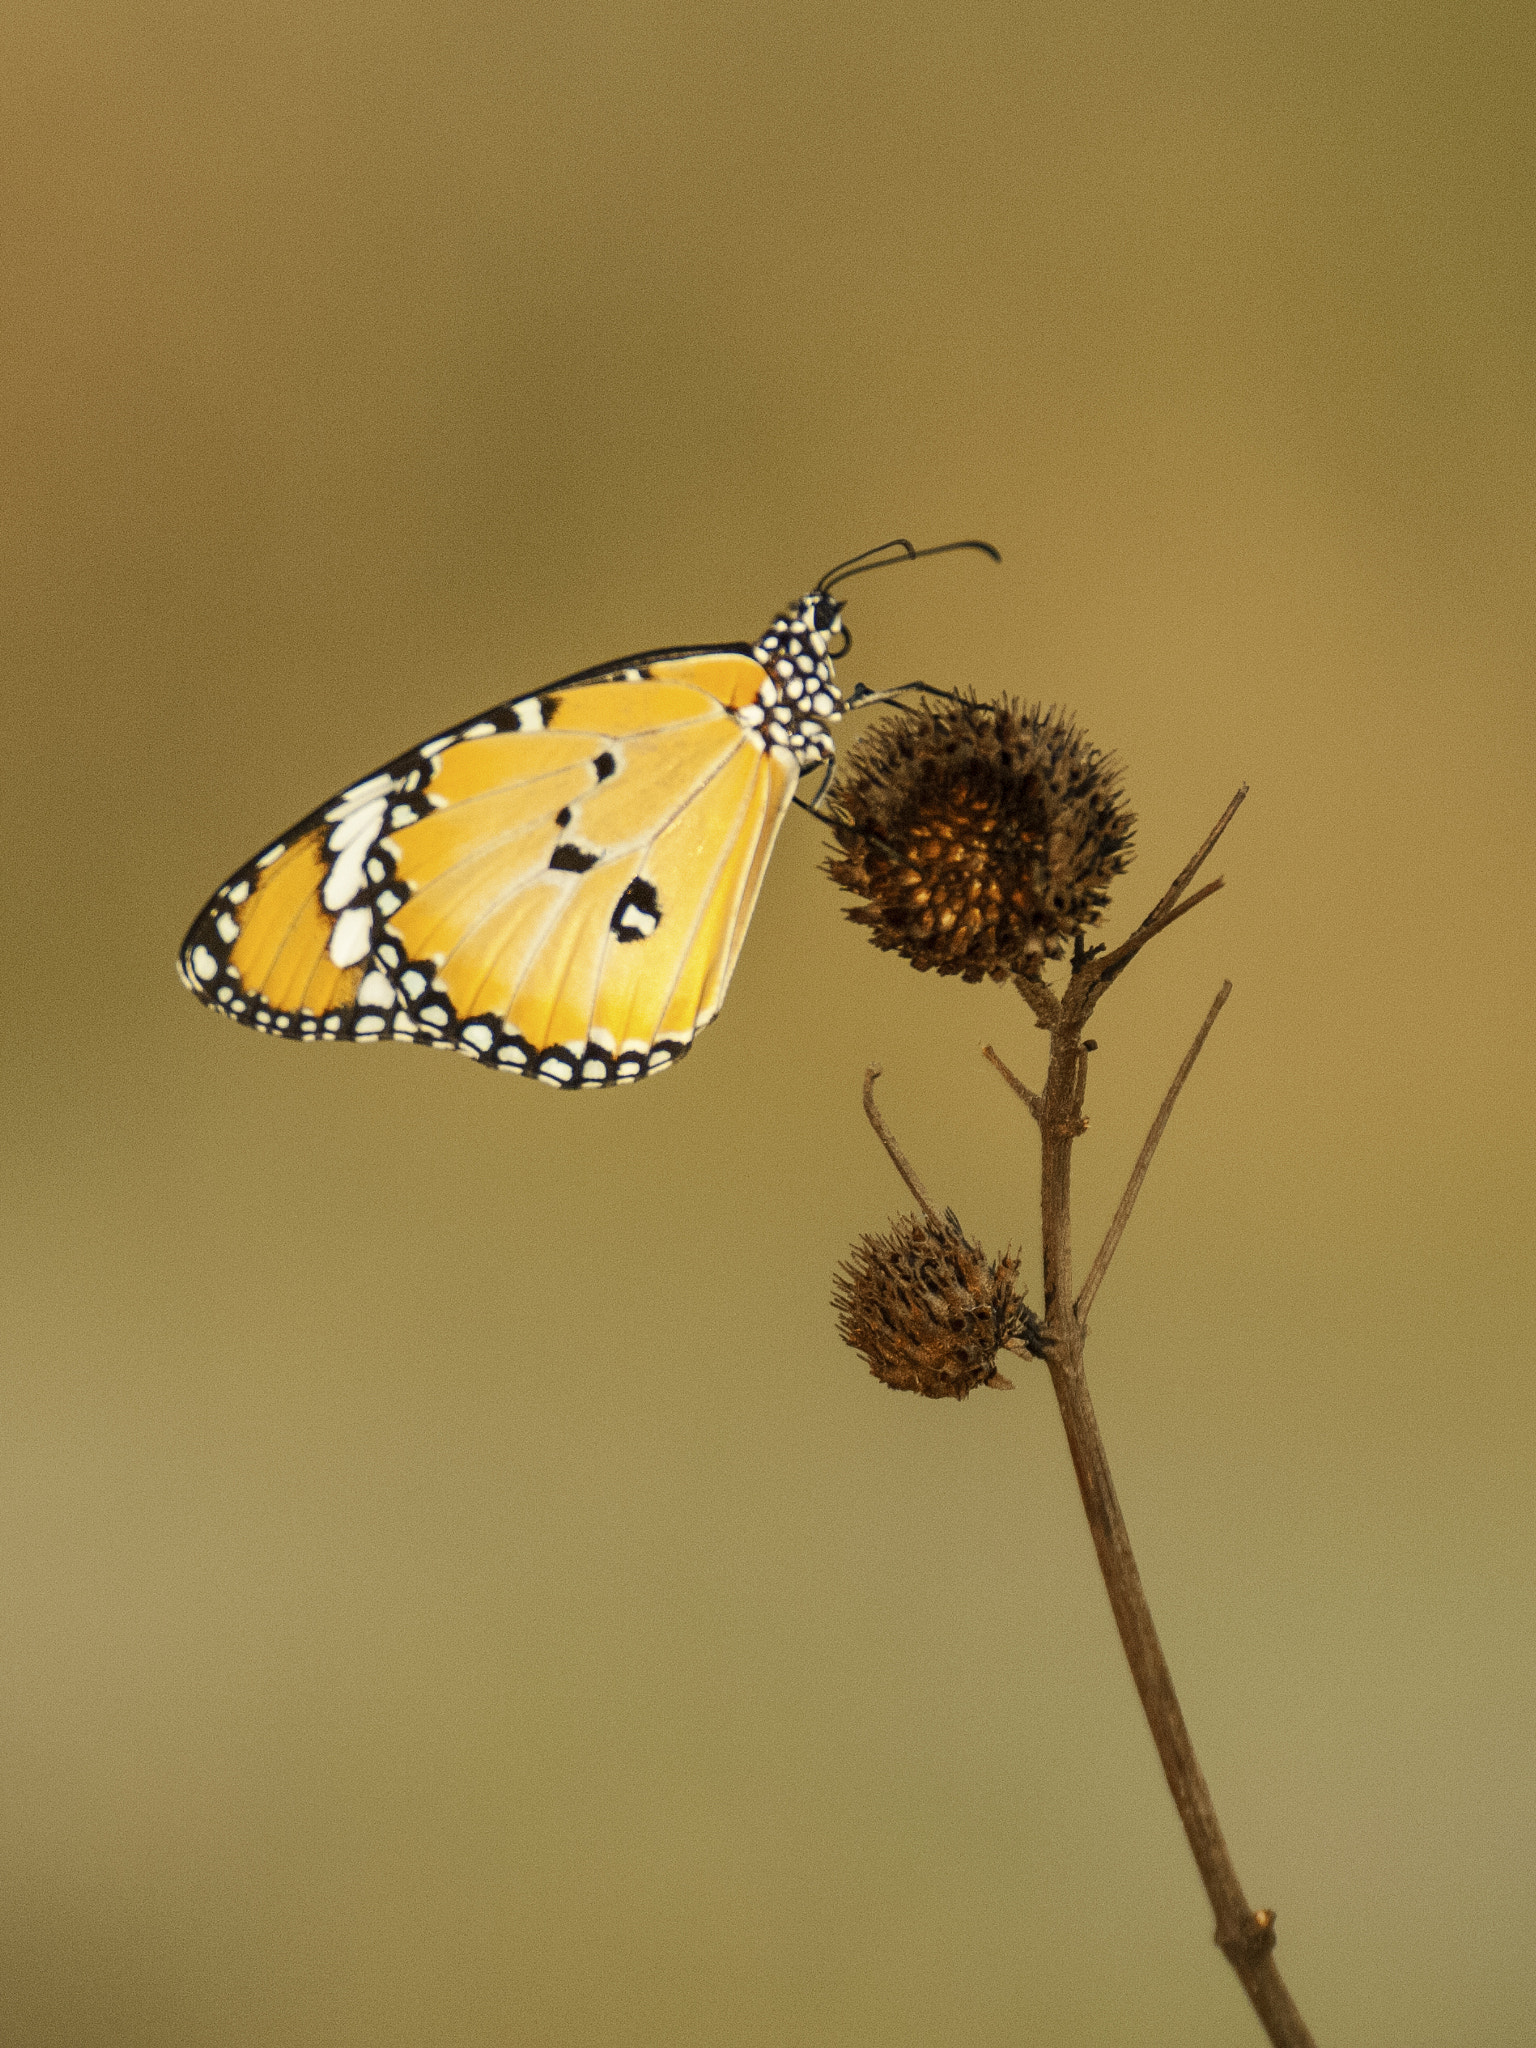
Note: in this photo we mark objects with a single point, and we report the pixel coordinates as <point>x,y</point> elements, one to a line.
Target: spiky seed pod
<point>982,836</point>
<point>927,1309</point>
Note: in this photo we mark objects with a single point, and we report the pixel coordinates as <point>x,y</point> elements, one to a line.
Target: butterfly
<point>558,887</point>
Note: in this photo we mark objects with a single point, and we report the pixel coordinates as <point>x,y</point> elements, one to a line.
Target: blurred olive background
<point>457,1587</point>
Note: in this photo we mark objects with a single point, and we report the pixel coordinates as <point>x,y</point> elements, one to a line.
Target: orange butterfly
<point>558,887</point>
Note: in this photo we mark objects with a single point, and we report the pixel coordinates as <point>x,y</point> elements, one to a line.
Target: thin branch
<point>1245,1937</point>
<point>1091,977</point>
<point>1196,861</point>
<point>1103,970</point>
<point>1122,1215</point>
<point>899,1159</point>
<point>1025,1095</point>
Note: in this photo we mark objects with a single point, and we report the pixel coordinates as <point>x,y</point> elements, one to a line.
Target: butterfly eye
<point>827,618</point>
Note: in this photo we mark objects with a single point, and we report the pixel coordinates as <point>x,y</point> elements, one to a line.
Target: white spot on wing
<point>358,794</point>
<point>376,990</point>
<point>362,823</point>
<point>346,876</point>
<point>350,936</point>
<point>203,964</point>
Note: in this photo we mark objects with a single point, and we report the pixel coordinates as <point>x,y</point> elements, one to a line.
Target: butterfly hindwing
<point>559,887</point>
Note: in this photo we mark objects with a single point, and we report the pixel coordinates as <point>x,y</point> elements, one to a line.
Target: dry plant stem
<point>1246,1938</point>
<point>1025,1095</point>
<point>1197,859</point>
<point>1091,979</point>
<point>1122,1215</point>
<point>904,1167</point>
<point>899,1159</point>
<point>1112,963</point>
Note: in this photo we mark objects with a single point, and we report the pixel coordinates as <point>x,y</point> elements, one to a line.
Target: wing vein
<point>625,849</point>
<point>727,841</point>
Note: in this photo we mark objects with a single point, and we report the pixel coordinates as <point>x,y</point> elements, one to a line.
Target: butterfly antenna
<point>835,575</point>
<point>860,565</point>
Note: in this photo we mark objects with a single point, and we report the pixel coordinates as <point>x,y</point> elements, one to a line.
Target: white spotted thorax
<point>798,699</point>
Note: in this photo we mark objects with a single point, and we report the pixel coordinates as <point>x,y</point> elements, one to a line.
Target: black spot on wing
<point>604,766</point>
<point>637,912</point>
<point>574,860</point>
<point>563,817</point>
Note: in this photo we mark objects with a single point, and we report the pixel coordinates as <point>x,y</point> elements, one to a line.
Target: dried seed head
<point>983,836</point>
<point>927,1309</point>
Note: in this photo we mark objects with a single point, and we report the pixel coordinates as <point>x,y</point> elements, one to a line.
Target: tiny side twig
<point>903,1166</point>
<point>898,1158</point>
<point>1025,1094</point>
<point>1197,860</point>
<point>1103,970</point>
<point>1122,1215</point>
<point>1091,977</point>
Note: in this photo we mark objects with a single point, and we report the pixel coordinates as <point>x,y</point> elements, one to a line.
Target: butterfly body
<point>557,888</point>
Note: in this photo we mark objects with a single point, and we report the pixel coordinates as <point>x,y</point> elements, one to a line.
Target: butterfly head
<point>798,699</point>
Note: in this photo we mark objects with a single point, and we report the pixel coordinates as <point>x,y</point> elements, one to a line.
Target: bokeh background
<point>456,1587</point>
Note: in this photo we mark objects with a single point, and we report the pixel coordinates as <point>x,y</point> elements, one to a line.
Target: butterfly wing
<point>559,887</point>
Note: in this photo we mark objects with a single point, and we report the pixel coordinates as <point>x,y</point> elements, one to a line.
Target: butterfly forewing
<point>559,887</point>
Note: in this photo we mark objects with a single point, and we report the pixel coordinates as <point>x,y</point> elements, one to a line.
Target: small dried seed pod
<point>926,1308</point>
<point>983,837</point>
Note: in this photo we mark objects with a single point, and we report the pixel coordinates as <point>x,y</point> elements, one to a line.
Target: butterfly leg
<point>814,806</point>
<point>860,697</point>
